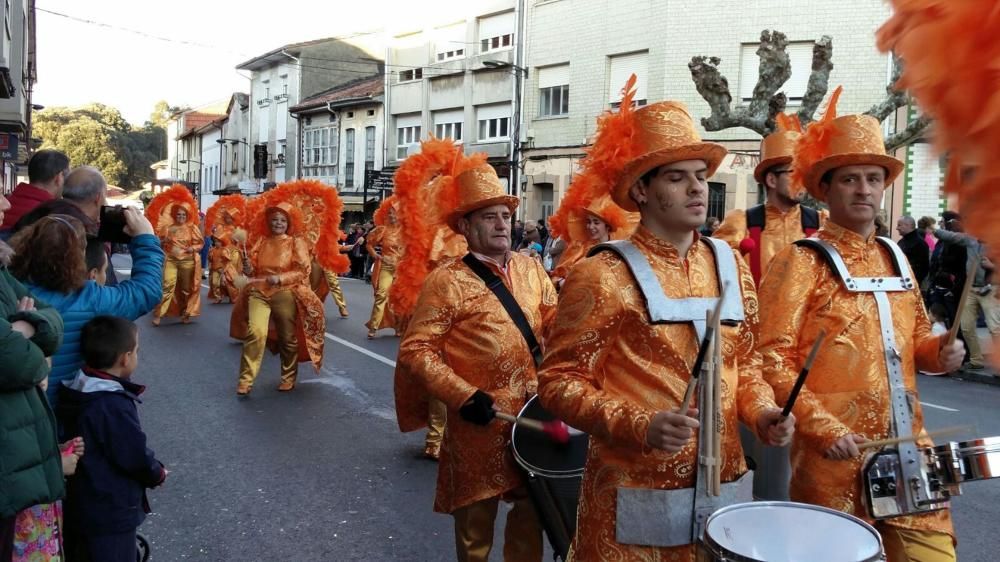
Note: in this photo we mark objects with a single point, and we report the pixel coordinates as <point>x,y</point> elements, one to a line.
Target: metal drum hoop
<point>526,464</point>
<point>723,554</point>
<point>954,460</point>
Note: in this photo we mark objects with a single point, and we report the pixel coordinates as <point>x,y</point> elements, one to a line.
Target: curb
<point>980,376</point>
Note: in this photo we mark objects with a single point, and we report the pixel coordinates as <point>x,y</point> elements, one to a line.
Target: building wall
<point>273,90</point>
<point>15,111</point>
<point>585,33</point>
<point>236,127</point>
<point>458,84</point>
<point>211,167</point>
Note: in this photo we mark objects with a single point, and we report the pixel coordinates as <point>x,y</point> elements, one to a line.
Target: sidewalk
<point>989,374</point>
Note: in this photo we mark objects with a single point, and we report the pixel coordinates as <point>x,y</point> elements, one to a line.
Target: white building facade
<point>456,79</point>
<point>580,53</point>
<point>17,76</point>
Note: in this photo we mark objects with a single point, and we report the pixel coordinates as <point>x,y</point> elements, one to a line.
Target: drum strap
<point>495,284</point>
<point>902,414</point>
<point>663,309</point>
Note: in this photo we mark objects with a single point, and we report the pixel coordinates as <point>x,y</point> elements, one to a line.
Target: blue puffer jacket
<point>129,299</point>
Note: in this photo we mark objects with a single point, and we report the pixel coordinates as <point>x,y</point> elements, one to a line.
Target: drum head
<point>538,454</point>
<point>787,532</point>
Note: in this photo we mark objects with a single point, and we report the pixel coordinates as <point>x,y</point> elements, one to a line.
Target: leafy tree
<point>98,135</point>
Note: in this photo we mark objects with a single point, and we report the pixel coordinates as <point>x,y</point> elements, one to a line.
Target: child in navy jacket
<point>106,499</point>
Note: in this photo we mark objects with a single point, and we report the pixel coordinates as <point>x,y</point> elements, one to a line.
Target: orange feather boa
<point>814,144</point>
<point>225,203</point>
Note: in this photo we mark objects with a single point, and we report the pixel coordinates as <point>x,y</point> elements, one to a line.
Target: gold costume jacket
<point>287,257</point>
<point>461,339</point>
<point>608,370</point>
<point>780,230</point>
<point>848,388</point>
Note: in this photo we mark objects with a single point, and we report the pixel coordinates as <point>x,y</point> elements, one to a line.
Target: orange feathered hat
<point>951,59</point>
<point>777,148</point>
<point>478,188</point>
<point>314,211</point>
<point>162,208</point>
<point>232,205</point>
<point>834,142</point>
<point>620,223</point>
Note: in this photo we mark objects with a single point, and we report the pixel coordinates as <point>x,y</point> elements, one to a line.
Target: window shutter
<point>551,76</point>
<point>495,111</point>
<point>450,38</point>
<point>623,66</point>
<point>449,116</point>
<point>494,26</point>
<point>411,120</point>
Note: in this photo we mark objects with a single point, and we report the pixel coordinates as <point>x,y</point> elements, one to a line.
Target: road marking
<point>938,407</point>
<point>360,349</point>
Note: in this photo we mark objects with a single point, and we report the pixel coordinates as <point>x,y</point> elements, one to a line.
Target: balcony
<point>263,102</point>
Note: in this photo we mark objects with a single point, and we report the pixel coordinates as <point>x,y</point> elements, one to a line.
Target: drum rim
<point>718,550</point>
<point>530,467</point>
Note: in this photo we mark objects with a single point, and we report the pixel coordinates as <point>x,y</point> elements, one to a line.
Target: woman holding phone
<point>175,217</point>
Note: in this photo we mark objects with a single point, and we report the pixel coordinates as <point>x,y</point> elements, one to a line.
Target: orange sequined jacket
<point>780,230</point>
<point>285,256</point>
<point>848,389</point>
<point>181,242</point>
<point>390,237</point>
<point>608,370</point>
<point>461,339</point>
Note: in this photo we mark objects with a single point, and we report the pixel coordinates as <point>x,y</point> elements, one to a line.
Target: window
<point>451,131</point>
<point>716,200</point>
<point>349,158</point>
<point>280,158</point>
<point>369,148</point>
<point>350,115</point>
<point>320,153</point>
<point>267,88</point>
<point>553,91</point>
<point>496,32</point>
<point>407,132</point>
<point>624,66</point>
<point>448,124</point>
<point>494,122</point>
<point>371,113</point>
<point>450,42</point>
<point>452,54</point>
<point>411,75</point>
<point>800,59</point>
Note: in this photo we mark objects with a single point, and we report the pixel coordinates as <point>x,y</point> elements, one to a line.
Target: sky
<point>116,58</point>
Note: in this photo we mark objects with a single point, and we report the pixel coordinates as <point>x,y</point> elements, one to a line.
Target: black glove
<point>480,410</point>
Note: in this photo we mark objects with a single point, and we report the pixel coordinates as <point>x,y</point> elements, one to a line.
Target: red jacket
<point>23,199</point>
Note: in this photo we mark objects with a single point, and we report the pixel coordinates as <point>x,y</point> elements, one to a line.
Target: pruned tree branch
<point>913,132</point>
<point>894,99</point>
<point>819,79</point>
<point>775,69</point>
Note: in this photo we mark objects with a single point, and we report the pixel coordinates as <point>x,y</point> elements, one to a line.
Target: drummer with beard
<point>467,351</point>
<point>611,371</point>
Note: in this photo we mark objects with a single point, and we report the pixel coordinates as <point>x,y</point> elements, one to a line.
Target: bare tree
<point>775,69</point>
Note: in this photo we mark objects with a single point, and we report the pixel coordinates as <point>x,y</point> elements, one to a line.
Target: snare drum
<point>554,473</point>
<point>958,462</point>
<point>787,532</point>
<point>539,455</point>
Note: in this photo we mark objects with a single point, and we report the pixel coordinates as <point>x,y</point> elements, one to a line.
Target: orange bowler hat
<point>477,188</point>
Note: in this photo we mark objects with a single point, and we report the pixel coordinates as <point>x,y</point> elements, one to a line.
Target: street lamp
<point>515,139</point>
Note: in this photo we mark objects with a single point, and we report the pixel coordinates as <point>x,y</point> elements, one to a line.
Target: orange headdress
<point>161,209</point>
<point>425,189</point>
<point>381,216</point>
<point>314,211</point>
<point>777,148</point>
<point>951,66</point>
<point>233,205</point>
<point>833,142</point>
<point>620,223</point>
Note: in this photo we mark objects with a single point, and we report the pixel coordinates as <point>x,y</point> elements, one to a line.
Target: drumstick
<point>706,340</point>
<point>898,440</point>
<point>802,375</point>
<point>556,430</point>
<point>970,276</point>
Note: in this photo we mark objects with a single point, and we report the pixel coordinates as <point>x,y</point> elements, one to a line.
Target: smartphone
<point>112,226</point>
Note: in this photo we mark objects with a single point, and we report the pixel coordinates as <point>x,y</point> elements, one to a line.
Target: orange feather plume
<point>436,157</point>
<point>381,216</point>
<point>224,204</point>
<point>160,208</point>
<point>951,59</point>
<point>814,145</point>
<point>604,161</point>
<point>318,211</point>
<point>788,122</point>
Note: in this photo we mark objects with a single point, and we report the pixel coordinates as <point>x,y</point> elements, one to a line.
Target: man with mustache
<point>626,335</point>
<point>759,233</point>
<point>860,290</point>
<point>468,351</point>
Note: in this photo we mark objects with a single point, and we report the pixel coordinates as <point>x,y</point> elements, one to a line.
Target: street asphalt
<point>322,473</point>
